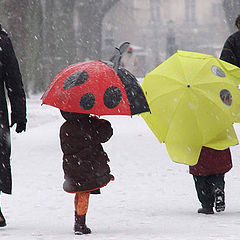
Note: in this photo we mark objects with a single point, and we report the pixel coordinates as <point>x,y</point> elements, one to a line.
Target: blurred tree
<point>43,37</point>
<point>155,25</point>
<point>24,27</point>
<point>171,46</point>
<point>58,36</point>
<point>3,14</point>
<point>18,32</point>
<point>49,46</point>
<point>34,63</point>
<point>91,14</point>
<point>232,10</point>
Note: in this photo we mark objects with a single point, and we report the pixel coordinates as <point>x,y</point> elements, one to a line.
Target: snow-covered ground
<point>151,197</point>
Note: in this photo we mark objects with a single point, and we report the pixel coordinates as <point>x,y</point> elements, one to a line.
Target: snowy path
<point>151,197</point>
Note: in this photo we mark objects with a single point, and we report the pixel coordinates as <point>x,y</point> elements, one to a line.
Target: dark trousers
<point>206,186</point>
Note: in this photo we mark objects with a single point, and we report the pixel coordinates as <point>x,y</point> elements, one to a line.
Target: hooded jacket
<point>85,163</point>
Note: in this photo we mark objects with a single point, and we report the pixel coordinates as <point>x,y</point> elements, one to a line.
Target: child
<point>85,163</point>
<point>208,175</point>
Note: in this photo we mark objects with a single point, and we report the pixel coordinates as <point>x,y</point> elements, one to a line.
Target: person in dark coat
<point>212,165</point>
<point>11,80</point>
<point>231,49</point>
<point>85,163</point>
<point>208,175</point>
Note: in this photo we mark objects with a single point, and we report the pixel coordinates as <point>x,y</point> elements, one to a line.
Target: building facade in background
<point>157,28</point>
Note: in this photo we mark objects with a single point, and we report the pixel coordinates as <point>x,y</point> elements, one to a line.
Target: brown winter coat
<point>212,162</point>
<point>85,163</point>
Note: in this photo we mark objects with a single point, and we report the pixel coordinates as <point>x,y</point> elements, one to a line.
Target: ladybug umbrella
<point>96,87</point>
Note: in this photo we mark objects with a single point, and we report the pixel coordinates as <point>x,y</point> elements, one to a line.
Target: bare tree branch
<point>91,14</point>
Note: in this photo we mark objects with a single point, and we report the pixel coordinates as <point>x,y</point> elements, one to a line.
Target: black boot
<point>2,220</point>
<point>219,200</point>
<point>206,210</point>
<point>80,227</point>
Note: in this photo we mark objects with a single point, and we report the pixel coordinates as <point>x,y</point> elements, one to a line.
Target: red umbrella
<point>95,88</point>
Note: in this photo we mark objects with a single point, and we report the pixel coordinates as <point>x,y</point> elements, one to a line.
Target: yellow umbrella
<point>194,100</point>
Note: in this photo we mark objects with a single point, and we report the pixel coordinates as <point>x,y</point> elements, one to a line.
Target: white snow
<point>151,197</point>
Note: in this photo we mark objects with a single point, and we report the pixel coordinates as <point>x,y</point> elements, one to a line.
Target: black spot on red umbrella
<point>112,97</point>
<point>95,87</point>
<point>75,79</point>
<point>87,101</point>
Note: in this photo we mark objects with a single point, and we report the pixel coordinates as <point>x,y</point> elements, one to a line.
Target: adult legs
<point>5,167</point>
<point>218,191</point>
<point>2,219</point>
<point>210,191</point>
<point>204,191</point>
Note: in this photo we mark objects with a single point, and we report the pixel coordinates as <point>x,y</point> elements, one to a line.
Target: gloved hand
<point>21,127</point>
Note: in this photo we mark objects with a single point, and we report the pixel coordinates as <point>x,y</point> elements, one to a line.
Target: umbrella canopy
<point>194,99</point>
<point>95,88</point>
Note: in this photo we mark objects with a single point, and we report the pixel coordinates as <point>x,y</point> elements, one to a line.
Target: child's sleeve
<point>103,130</point>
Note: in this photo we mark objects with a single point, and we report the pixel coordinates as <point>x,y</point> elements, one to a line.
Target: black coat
<point>11,81</point>
<point>85,163</point>
<point>231,49</point>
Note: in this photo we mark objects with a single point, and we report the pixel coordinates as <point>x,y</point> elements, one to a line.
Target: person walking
<point>85,163</point>
<point>209,172</point>
<point>208,175</point>
<point>11,81</point>
<point>231,49</point>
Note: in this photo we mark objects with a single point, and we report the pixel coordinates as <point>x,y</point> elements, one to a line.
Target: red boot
<point>80,227</point>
